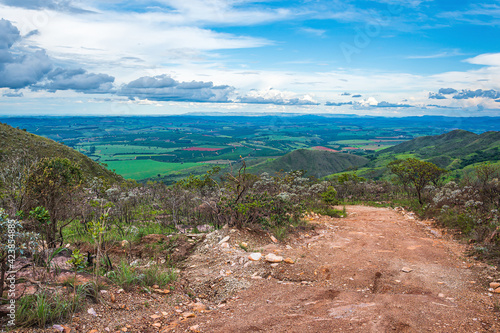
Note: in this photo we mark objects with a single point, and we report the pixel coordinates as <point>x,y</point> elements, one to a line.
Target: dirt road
<point>375,271</point>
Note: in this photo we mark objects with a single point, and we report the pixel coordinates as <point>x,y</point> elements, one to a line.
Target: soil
<point>376,270</point>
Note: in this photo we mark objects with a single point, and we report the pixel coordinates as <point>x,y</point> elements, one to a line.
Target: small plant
<point>45,308</point>
<point>155,275</point>
<point>126,276</point>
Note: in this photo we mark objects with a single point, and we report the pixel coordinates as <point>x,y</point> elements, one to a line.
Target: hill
<point>14,141</point>
<point>317,163</point>
<point>454,150</point>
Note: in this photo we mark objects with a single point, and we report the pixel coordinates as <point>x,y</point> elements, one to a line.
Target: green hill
<point>15,141</point>
<point>454,150</point>
<point>316,162</point>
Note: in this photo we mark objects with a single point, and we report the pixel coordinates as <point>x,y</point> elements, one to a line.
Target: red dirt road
<point>350,277</point>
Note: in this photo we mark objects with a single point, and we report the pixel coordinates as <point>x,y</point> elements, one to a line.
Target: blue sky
<point>374,57</point>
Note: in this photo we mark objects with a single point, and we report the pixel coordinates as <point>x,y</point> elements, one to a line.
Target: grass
<point>46,307</point>
<point>142,169</point>
<point>127,277</point>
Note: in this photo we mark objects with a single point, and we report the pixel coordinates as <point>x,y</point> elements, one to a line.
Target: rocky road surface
<point>377,270</point>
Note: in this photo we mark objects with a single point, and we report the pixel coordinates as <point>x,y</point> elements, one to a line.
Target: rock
<point>194,328</point>
<point>271,257</point>
<point>494,285</point>
<point>497,290</point>
<point>289,261</point>
<point>274,265</point>
<point>188,315</point>
<point>91,311</point>
<point>125,243</point>
<point>58,328</point>
<point>224,240</point>
<point>155,316</point>
<point>406,269</point>
<point>288,247</point>
<point>155,286</point>
<point>225,245</point>
<point>158,325</point>
<point>441,295</point>
<point>93,331</point>
<point>255,256</point>
<point>274,239</point>
<point>243,244</point>
<point>198,307</point>
<point>112,297</point>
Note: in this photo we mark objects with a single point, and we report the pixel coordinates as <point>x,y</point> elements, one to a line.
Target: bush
<point>156,275</point>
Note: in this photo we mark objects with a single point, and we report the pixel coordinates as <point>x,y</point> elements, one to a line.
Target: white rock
<point>271,257</point>
<point>225,245</point>
<point>255,256</point>
<point>406,269</point>
<point>224,240</point>
<point>92,312</point>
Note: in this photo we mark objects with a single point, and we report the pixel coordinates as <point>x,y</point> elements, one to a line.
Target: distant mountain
<point>15,141</point>
<point>316,162</point>
<point>453,150</point>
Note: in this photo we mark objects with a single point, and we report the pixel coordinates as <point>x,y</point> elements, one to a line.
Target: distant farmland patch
<point>325,149</point>
<point>142,169</point>
<point>202,149</point>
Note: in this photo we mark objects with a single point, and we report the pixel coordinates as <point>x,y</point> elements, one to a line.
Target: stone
<point>274,239</point>
<point>125,243</point>
<point>155,286</point>
<point>155,316</point>
<point>497,290</point>
<point>91,311</point>
<point>157,325</point>
<point>112,297</point>
<point>243,244</point>
<point>198,307</point>
<point>93,331</point>
<point>441,295</point>
<point>406,269</point>
<point>224,240</point>
<point>274,265</point>
<point>271,257</point>
<point>188,315</point>
<point>494,285</point>
<point>194,328</point>
<point>288,247</point>
<point>225,245</point>
<point>255,256</point>
<point>289,261</point>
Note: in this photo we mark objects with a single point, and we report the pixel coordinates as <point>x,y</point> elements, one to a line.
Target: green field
<point>142,169</point>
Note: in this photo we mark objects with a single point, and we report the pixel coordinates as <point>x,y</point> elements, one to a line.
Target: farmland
<point>171,147</point>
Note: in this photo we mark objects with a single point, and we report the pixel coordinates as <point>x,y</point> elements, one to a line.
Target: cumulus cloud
<point>165,88</point>
<point>77,80</point>
<point>392,105</point>
<point>25,68</point>
<point>447,91</point>
<point>13,94</point>
<point>338,104</point>
<point>466,94</point>
<point>433,95</point>
<point>19,70</point>
<point>273,96</point>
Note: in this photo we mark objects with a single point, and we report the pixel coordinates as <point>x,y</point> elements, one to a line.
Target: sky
<point>366,57</point>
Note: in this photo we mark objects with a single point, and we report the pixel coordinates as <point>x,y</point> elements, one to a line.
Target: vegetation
<point>53,199</point>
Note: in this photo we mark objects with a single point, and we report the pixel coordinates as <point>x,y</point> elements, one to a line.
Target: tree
<point>417,173</point>
<point>56,185</point>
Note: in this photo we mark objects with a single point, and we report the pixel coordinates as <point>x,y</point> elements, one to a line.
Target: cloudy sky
<point>375,57</point>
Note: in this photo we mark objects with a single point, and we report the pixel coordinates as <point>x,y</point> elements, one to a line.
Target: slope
<point>454,150</point>
<point>316,162</point>
<point>14,141</point>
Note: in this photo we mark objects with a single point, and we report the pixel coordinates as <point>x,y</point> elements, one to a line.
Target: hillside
<point>454,150</point>
<point>14,141</point>
<point>316,162</point>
